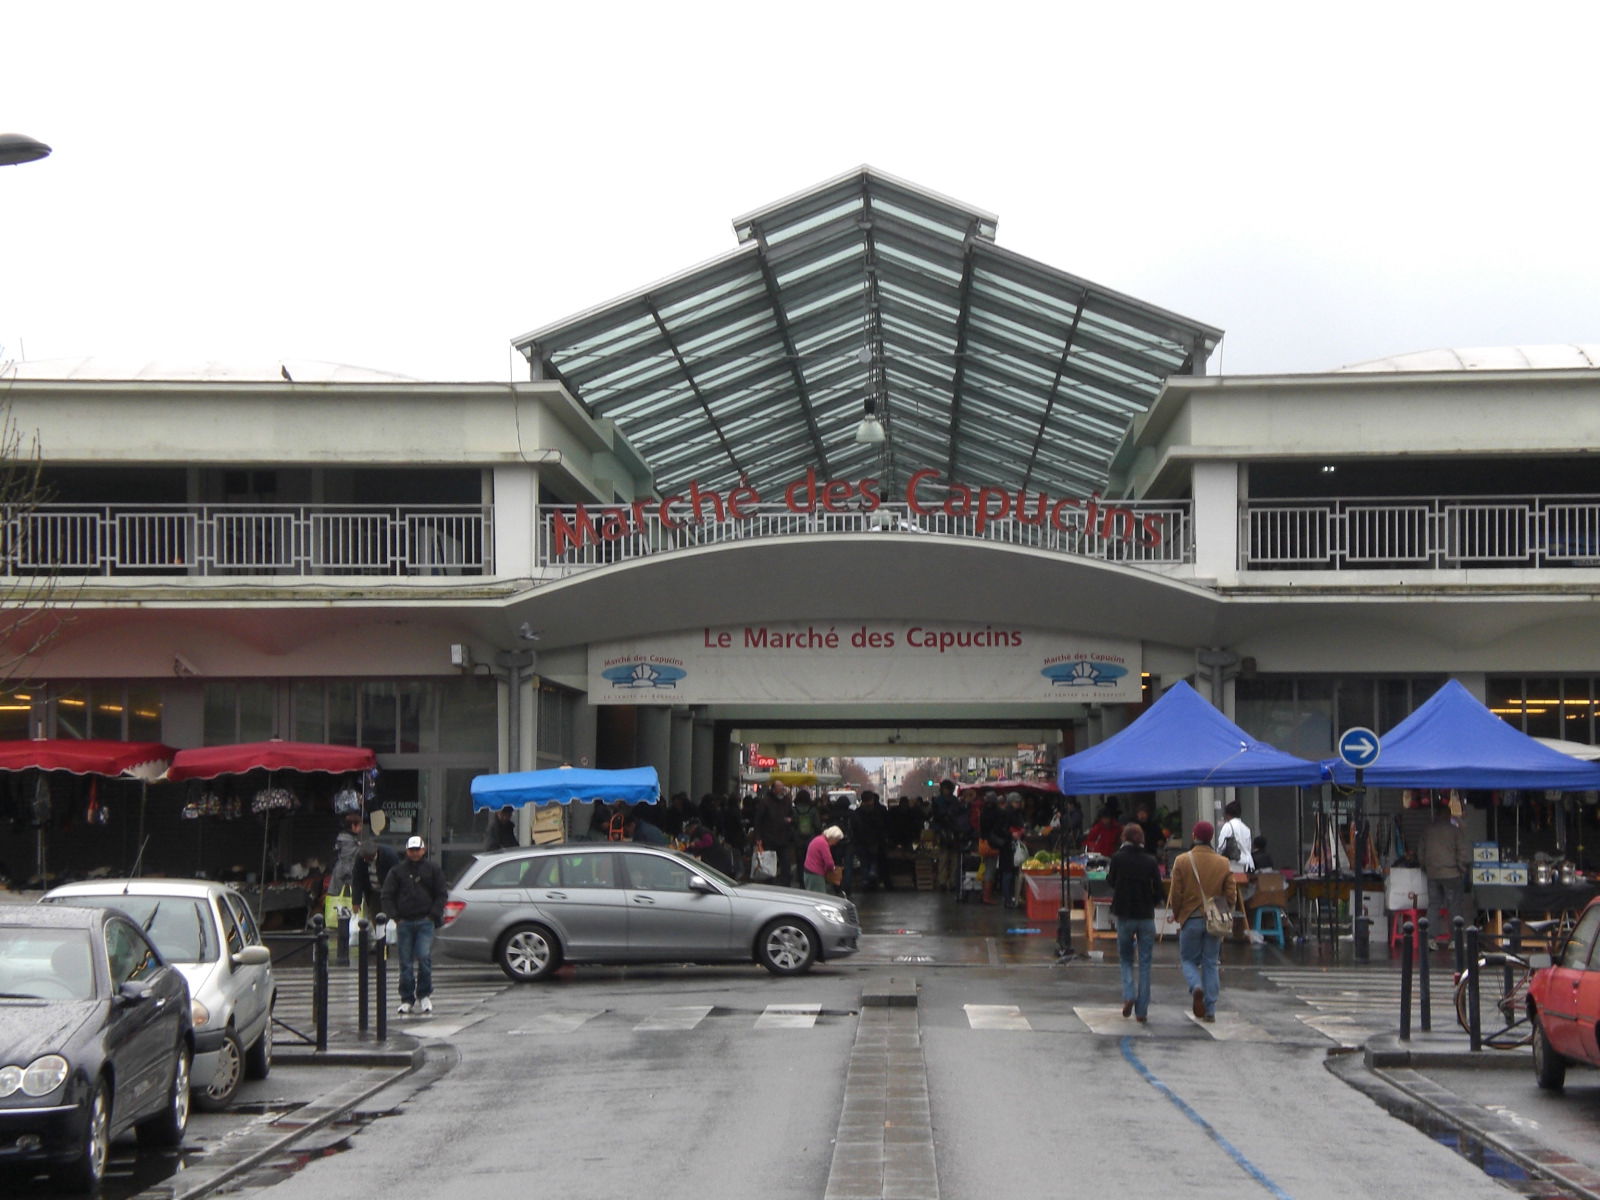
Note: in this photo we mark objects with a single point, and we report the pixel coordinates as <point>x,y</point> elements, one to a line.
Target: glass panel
<point>1577,709</point>
<point>411,698</point>
<point>1505,700</point>
<point>1357,705</point>
<point>144,714</point>
<point>105,712</point>
<point>16,709</point>
<point>232,935</point>
<point>71,714</point>
<point>1542,708</point>
<point>257,712</point>
<point>378,717</point>
<point>309,706</point>
<point>342,714</point>
<point>649,873</point>
<point>469,716</point>
<point>1582,940</point>
<point>458,817</point>
<point>1394,703</point>
<point>504,875</point>
<point>1313,734</point>
<point>220,725</point>
<point>588,870</point>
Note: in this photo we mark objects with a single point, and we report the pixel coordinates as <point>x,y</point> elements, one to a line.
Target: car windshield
<point>180,926</point>
<point>45,964</point>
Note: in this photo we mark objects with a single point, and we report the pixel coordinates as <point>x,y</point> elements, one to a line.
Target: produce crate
<point>1043,894</point>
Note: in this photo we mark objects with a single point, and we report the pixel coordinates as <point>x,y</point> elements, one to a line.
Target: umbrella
<point>565,785</point>
<point>208,762</point>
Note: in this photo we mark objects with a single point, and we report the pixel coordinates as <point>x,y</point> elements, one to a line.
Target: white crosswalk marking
<point>680,1017</point>
<point>996,1016</point>
<point>555,1022</point>
<point>1107,1021</point>
<point>788,1016</point>
<point>1231,1027</point>
<point>1352,1004</point>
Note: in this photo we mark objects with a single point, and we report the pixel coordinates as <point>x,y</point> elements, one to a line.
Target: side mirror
<point>252,956</point>
<point>699,883</point>
<point>133,992</point>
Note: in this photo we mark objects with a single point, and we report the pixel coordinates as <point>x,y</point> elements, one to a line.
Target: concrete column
<point>704,762</point>
<point>1475,682</point>
<point>516,520</point>
<point>1216,521</point>
<point>653,743</point>
<point>682,746</point>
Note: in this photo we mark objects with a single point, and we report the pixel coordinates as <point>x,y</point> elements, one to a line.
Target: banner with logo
<point>854,662</point>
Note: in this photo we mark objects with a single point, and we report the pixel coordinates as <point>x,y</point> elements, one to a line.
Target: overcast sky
<point>408,187</point>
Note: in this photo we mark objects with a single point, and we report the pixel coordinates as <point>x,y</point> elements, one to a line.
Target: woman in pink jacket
<point>819,858</point>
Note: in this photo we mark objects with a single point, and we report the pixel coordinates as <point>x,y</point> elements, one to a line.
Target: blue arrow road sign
<point>1358,747</point>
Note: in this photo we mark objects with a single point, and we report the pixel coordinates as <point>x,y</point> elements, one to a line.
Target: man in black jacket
<point>1135,880</point>
<point>413,897</point>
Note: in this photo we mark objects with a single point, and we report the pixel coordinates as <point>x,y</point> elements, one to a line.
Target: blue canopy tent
<point>1453,741</point>
<point>565,785</point>
<point>1181,741</point>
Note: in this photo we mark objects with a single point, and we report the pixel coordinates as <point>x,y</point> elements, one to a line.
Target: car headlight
<point>829,913</point>
<point>44,1075</point>
<point>200,1013</point>
<point>10,1079</point>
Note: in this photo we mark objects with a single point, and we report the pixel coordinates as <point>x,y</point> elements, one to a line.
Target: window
<point>247,922</point>
<point>232,935</point>
<point>519,872</point>
<point>650,873</point>
<point>131,957</point>
<point>1582,941</point>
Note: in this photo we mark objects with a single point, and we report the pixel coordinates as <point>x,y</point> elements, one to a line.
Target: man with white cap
<point>413,898</point>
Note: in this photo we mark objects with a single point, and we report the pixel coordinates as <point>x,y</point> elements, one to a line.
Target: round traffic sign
<point>1359,747</point>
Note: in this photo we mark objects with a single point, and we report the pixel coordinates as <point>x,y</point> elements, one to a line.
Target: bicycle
<point>1513,970</point>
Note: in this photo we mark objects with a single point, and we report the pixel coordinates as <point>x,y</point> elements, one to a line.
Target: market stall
<point>209,763</point>
<point>1453,743</point>
<point>97,758</point>
<point>563,786</point>
<point>1180,741</point>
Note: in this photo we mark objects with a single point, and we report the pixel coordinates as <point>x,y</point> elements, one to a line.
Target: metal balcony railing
<point>576,537</point>
<point>1435,533</point>
<point>248,539</point>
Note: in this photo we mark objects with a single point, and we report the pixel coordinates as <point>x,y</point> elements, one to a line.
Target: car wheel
<point>166,1128</point>
<point>786,946</point>
<point>219,1092</point>
<point>529,953</point>
<point>258,1059</point>
<point>83,1173</point>
<point>1549,1068</point>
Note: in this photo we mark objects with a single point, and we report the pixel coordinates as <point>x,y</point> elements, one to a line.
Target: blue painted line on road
<point>1232,1151</point>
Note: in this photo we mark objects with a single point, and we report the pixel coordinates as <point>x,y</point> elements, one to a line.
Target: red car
<point>1564,1004</point>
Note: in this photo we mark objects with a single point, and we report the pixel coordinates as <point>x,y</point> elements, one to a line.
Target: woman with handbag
<point>819,867</point>
<point>1233,839</point>
<point>1203,897</point>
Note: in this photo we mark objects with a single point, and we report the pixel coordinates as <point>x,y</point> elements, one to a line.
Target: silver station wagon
<point>620,902</point>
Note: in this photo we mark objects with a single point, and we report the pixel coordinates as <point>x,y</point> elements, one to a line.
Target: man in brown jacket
<point>1200,874</point>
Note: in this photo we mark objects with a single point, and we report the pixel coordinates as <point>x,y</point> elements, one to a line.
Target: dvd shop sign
<point>926,494</point>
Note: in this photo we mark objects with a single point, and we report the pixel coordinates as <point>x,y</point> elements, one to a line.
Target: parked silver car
<point>621,902</point>
<point>207,932</point>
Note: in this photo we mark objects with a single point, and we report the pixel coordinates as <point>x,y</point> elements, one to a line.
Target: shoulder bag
<point>1219,920</point>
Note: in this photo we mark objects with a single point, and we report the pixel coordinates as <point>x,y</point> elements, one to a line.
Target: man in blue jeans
<point>1136,889</point>
<point>413,898</point>
<point>1198,875</point>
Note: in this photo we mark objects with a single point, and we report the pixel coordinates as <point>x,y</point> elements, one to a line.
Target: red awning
<point>142,760</point>
<point>207,762</point>
<point>1028,787</point>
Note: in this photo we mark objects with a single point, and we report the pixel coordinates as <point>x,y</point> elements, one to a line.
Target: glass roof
<point>986,366</point>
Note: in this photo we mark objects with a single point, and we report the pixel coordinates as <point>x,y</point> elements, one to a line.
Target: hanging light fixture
<point>870,431</point>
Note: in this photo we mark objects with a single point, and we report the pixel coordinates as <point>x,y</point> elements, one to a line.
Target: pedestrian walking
<point>1198,875</point>
<point>374,861</point>
<point>1135,880</point>
<point>1446,856</point>
<point>1233,839</point>
<point>413,897</point>
<point>346,847</point>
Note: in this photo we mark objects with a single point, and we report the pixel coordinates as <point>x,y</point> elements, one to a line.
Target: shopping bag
<point>834,875</point>
<point>764,865</point>
<point>1407,888</point>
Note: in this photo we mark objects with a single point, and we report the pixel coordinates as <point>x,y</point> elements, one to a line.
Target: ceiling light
<point>870,431</point>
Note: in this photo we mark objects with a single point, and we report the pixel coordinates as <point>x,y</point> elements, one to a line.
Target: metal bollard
<point>342,951</point>
<point>381,924</point>
<point>1405,980</point>
<point>1424,993</point>
<point>1474,1022</point>
<point>319,982</point>
<point>1362,926</point>
<point>363,947</point>
<point>1514,945</point>
<point>1459,941</point>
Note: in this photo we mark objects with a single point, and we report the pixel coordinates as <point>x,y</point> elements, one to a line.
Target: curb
<point>1388,1052</point>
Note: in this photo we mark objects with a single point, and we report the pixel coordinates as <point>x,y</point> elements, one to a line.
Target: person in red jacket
<point>1105,835</point>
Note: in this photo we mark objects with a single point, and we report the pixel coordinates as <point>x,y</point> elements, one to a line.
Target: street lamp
<point>20,148</point>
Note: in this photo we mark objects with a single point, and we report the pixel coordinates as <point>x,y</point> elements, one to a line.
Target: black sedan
<point>95,1039</point>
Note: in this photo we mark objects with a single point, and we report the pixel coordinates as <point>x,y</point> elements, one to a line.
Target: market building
<point>869,481</point>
